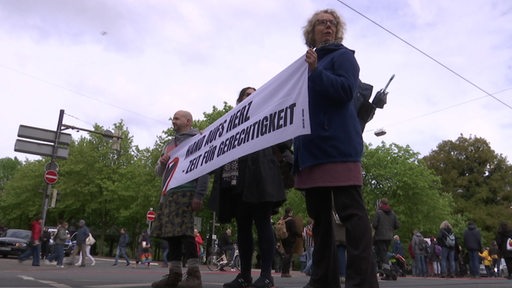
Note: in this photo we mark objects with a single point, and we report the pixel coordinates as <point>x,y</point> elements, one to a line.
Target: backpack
<point>438,249</point>
<point>281,231</point>
<point>450,240</point>
<point>422,244</point>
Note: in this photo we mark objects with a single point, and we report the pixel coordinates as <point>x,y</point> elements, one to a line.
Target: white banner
<point>276,112</point>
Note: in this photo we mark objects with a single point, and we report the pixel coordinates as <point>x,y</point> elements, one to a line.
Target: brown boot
<point>192,279</point>
<point>170,280</point>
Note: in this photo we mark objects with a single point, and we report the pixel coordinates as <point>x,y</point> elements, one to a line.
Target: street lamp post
<point>57,149</point>
<point>52,164</point>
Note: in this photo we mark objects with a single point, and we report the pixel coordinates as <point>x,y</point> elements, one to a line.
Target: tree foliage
<point>21,199</point>
<point>477,177</point>
<point>414,192</point>
<point>8,168</point>
<point>108,188</point>
<point>113,188</point>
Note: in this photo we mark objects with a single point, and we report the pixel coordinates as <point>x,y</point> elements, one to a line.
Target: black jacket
<point>259,180</point>
<point>501,239</point>
<point>472,238</point>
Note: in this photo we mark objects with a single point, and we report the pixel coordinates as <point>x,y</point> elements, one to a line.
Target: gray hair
<point>309,29</point>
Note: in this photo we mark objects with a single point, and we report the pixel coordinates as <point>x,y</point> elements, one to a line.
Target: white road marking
<point>51,283</point>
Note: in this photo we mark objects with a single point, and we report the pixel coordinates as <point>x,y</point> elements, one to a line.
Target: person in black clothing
<point>254,188</point>
<point>45,243</point>
<point>122,245</point>
<point>384,223</point>
<point>473,244</point>
<point>503,235</point>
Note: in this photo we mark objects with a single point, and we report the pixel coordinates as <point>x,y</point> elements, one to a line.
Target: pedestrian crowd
<point>450,255</point>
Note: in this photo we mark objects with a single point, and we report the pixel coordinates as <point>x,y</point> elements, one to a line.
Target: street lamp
<point>380,132</point>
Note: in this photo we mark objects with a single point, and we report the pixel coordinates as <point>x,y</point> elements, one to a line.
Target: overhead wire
<point>426,54</point>
<point>79,93</point>
<point>442,109</point>
<point>487,94</point>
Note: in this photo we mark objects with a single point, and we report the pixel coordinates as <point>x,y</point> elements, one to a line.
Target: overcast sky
<point>140,61</point>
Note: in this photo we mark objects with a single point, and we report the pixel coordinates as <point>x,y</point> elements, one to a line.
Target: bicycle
<point>218,260</point>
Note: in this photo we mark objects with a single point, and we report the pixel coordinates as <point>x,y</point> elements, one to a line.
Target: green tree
<point>8,167</point>
<point>477,177</point>
<point>108,188</point>
<point>210,117</point>
<point>22,197</point>
<point>414,191</point>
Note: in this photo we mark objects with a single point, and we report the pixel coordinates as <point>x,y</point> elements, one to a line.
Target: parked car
<point>14,242</point>
<point>482,271</point>
<point>68,246</point>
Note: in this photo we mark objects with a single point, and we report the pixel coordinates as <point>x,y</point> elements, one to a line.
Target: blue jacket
<point>81,235</point>
<point>335,130</point>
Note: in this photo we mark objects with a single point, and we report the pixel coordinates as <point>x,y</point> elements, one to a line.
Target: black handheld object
<point>381,97</point>
<point>365,109</point>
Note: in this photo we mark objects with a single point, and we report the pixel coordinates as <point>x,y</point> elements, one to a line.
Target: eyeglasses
<point>324,22</point>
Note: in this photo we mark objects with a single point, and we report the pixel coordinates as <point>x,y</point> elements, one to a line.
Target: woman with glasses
<point>328,161</point>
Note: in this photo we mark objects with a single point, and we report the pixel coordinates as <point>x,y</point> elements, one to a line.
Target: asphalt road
<point>103,274</point>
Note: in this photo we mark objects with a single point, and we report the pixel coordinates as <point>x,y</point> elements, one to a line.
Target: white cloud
<point>160,56</point>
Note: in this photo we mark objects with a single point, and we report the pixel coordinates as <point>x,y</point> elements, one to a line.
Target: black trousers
<point>259,214</point>
<point>348,203</point>
<point>182,248</point>
<point>381,250</point>
<point>288,245</point>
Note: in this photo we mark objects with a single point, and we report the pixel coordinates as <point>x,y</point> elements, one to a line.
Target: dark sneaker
<point>263,282</point>
<point>239,282</point>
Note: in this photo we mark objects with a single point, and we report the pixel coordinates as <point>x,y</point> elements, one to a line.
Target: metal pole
<point>214,237</point>
<point>53,156</point>
<point>150,223</point>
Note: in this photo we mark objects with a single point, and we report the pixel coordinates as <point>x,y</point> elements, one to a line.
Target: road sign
<point>151,215</point>
<point>44,135</point>
<point>51,166</point>
<point>51,176</point>
<point>39,149</point>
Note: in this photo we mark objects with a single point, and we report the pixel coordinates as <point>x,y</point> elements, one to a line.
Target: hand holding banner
<point>276,112</point>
